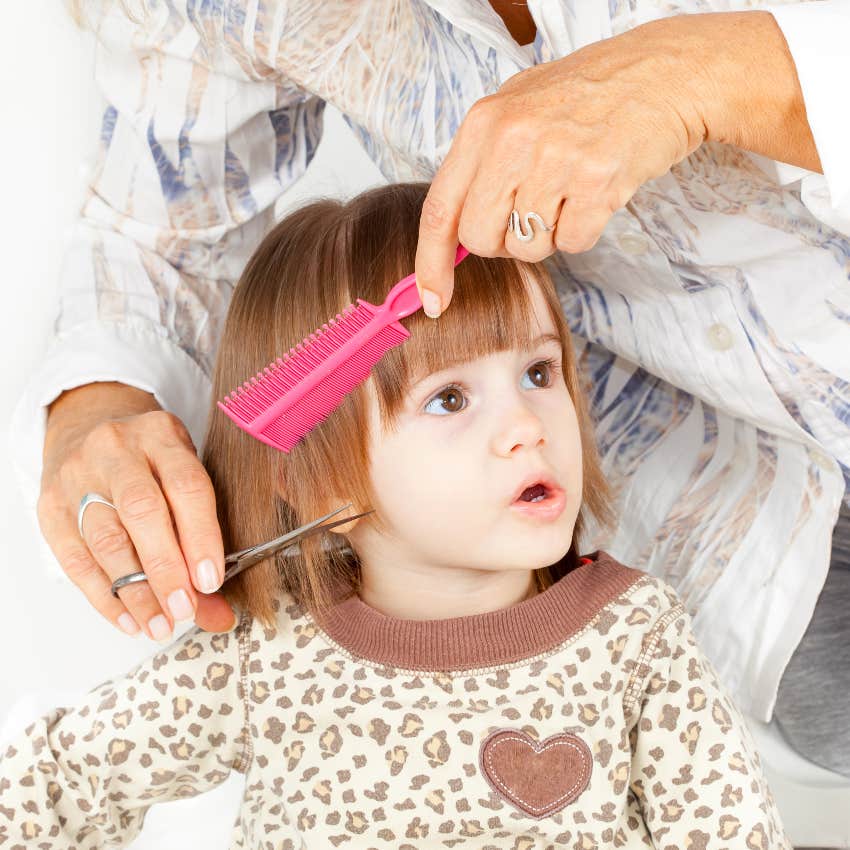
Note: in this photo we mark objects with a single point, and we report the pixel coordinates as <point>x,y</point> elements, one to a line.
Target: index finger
<point>189,492</point>
<point>438,226</point>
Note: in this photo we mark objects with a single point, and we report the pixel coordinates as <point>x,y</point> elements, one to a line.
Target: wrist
<point>741,79</point>
<point>80,408</point>
<point>742,50</point>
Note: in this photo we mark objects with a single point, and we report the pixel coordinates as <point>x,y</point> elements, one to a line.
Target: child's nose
<point>521,428</point>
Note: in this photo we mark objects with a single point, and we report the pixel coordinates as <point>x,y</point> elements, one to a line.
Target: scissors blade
<point>236,557</point>
<point>259,553</point>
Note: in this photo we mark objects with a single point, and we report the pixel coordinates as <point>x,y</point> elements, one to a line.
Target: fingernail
<point>180,606</point>
<point>129,624</point>
<point>159,628</point>
<point>431,303</point>
<point>208,576</point>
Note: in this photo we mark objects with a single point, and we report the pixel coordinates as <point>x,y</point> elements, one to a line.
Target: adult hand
<point>114,440</point>
<point>571,140</point>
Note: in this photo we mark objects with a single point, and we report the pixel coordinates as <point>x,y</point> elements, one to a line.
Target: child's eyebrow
<point>532,345</point>
<point>538,341</point>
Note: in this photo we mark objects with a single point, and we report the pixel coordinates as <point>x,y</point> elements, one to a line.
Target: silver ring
<point>514,225</point>
<point>130,578</point>
<point>90,499</point>
<point>123,581</point>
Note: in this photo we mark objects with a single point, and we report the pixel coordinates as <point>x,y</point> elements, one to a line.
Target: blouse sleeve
<point>195,148</point>
<point>84,776</point>
<point>818,34</point>
<point>695,771</point>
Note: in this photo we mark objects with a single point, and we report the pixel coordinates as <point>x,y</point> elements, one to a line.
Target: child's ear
<point>346,528</point>
<point>331,504</point>
<point>343,530</point>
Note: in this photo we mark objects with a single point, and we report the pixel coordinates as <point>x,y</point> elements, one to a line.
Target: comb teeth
<point>277,407</point>
<point>316,405</point>
<point>255,395</point>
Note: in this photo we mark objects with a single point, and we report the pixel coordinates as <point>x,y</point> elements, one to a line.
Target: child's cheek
<point>428,495</point>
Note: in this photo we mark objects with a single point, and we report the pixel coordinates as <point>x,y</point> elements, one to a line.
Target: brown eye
<point>450,400</point>
<point>454,400</point>
<point>539,373</point>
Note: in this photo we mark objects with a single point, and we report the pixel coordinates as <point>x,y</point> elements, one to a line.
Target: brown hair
<point>307,269</point>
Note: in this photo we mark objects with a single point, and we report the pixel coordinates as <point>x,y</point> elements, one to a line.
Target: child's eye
<point>543,375</point>
<point>453,394</point>
<point>452,399</point>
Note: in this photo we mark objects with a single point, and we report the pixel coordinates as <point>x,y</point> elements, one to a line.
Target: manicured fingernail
<point>180,606</point>
<point>431,303</point>
<point>208,576</point>
<point>159,628</point>
<point>129,625</point>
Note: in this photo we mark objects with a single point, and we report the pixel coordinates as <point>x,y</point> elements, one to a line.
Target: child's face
<point>466,442</point>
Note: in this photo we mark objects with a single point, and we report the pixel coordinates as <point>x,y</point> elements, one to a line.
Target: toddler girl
<point>447,671</point>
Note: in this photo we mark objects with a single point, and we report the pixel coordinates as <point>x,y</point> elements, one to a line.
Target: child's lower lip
<point>546,509</point>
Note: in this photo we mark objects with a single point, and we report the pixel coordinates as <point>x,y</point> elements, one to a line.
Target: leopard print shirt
<point>585,717</point>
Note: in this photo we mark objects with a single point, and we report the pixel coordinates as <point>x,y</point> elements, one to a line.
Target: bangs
<point>491,311</point>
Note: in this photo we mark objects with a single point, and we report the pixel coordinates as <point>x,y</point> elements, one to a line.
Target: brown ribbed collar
<point>519,631</point>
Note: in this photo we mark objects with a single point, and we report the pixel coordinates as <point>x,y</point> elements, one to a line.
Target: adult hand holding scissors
<point>542,164</point>
<point>156,512</point>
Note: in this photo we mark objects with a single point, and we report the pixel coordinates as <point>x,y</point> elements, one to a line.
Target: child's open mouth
<point>542,499</point>
<point>537,493</point>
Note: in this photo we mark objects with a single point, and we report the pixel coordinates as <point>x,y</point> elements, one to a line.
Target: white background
<point>53,646</point>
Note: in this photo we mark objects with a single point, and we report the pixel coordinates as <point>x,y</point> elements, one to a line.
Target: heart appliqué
<point>538,777</point>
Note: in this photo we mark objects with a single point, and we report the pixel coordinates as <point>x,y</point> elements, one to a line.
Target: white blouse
<point>712,317</point>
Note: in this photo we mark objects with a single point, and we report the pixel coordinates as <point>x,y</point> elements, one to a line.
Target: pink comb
<point>296,392</point>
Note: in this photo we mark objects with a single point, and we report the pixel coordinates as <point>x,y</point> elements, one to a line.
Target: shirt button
<point>633,243</point>
<point>720,337</point>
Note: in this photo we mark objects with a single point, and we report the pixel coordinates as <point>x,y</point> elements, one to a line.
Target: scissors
<point>241,560</point>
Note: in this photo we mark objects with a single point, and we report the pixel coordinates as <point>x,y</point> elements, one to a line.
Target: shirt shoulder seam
<point>642,667</point>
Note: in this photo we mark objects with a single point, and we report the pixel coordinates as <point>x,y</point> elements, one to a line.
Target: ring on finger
<point>90,499</point>
<point>123,581</point>
<point>514,225</point>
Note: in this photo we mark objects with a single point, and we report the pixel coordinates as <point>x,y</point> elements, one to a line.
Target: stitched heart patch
<point>538,777</point>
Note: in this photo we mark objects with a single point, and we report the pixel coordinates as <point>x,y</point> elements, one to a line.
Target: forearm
<point>745,83</point>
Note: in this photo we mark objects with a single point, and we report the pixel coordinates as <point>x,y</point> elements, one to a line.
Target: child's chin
<point>534,556</point>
